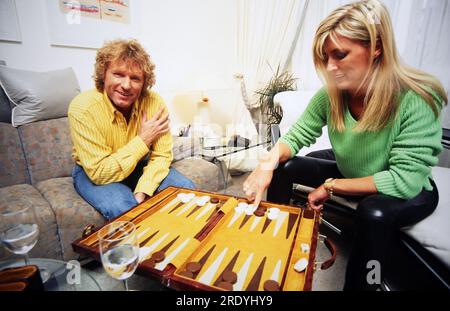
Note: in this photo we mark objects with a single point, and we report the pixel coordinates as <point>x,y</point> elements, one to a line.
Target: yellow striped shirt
<point>108,148</point>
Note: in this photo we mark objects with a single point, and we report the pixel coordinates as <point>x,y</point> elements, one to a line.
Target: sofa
<point>35,169</point>
<point>420,258</point>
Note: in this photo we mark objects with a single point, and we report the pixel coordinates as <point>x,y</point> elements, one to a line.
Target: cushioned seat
<point>434,231</point>
<point>70,210</point>
<point>24,195</point>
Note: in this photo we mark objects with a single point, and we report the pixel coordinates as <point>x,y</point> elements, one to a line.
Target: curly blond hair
<point>130,51</point>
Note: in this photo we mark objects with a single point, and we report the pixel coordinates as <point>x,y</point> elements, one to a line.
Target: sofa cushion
<point>47,146</point>
<point>204,174</point>
<point>38,95</point>
<point>72,212</point>
<point>433,231</point>
<point>18,196</point>
<point>13,168</point>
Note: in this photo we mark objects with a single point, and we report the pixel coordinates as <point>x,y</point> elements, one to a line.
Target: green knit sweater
<point>399,156</point>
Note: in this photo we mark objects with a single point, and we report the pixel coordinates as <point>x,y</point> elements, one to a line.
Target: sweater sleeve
<point>414,150</point>
<point>309,126</point>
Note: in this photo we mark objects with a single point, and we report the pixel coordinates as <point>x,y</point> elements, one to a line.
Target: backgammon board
<point>197,240</point>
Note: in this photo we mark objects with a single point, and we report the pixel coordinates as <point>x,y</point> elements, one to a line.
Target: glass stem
<point>125,283</point>
<point>27,260</point>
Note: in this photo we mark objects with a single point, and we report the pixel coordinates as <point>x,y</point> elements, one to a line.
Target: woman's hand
<point>318,197</point>
<point>255,184</point>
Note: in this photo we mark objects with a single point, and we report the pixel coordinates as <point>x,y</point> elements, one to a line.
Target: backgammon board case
<point>211,241</point>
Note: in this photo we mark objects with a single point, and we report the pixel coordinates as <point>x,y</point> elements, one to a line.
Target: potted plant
<point>271,112</point>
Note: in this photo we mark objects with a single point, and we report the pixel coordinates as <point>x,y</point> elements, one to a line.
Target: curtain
<point>302,64</point>
<point>265,32</point>
<point>264,35</point>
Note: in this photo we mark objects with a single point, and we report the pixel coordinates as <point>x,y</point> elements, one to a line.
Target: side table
<point>216,155</point>
<point>60,279</point>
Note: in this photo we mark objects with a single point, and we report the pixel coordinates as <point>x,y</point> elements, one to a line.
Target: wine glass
<point>119,250</point>
<point>19,233</point>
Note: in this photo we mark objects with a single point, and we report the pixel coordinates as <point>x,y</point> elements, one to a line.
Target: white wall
<point>35,52</point>
<point>191,42</point>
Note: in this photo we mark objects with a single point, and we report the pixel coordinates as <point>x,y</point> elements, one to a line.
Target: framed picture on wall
<point>88,23</point>
<point>9,23</point>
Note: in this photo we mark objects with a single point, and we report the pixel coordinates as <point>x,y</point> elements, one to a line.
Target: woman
<point>384,127</point>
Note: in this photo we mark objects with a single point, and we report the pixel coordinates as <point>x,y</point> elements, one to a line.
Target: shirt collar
<point>114,113</point>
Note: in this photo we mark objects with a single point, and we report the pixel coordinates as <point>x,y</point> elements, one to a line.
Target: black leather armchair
<point>412,265</point>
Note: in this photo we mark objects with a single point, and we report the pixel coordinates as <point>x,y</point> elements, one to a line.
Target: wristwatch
<point>328,185</point>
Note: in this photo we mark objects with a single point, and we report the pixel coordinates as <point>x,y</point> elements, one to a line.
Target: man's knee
<point>176,179</point>
<point>110,200</point>
<point>115,205</point>
<point>184,182</point>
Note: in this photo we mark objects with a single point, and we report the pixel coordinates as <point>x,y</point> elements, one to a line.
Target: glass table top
<point>65,276</point>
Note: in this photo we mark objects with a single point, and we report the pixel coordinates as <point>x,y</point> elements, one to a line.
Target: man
<point>120,133</point>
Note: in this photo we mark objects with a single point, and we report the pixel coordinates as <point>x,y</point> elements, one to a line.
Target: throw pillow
<point>38,96</point>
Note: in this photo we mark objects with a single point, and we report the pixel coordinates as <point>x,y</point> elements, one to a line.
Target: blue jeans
<point>113,199</point>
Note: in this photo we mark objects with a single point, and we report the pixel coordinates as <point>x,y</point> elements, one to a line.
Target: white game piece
<point>301,265</point>
<point>206,198</point>
<point>242,205</point>
<point>250,209</point>
<point>273,213</point>
<point>191,195</point>
<point>239,209</point>
<point>184,198</point>
<point>203,200</point>
<point>200,202</point>
<point>304,247</point>
<point>274,210</point>
<point>272,216</point>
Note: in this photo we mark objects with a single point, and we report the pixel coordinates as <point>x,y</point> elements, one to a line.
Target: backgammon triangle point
<point>145,251</point>
<point>208,275</point>
<point>160,266</point>
<point>242,274</point>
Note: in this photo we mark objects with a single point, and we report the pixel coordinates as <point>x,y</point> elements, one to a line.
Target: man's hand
<point>151,129</point>
<point>140,197</point>
<point>317,197</point>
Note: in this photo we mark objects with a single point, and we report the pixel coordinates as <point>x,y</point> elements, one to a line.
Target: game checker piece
<point>187,274</point>
<point>260,211</point>
<point>225,285</point>
<point>194,267</point>
<point>229,276</point>
<point>271,286</point>
<point>158,256</point>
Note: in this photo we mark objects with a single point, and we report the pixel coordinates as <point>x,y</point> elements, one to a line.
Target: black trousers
<point>377,216</point>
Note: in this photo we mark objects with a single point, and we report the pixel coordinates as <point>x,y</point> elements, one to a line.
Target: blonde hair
<point>129,51</point>
<point>368,22</point>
